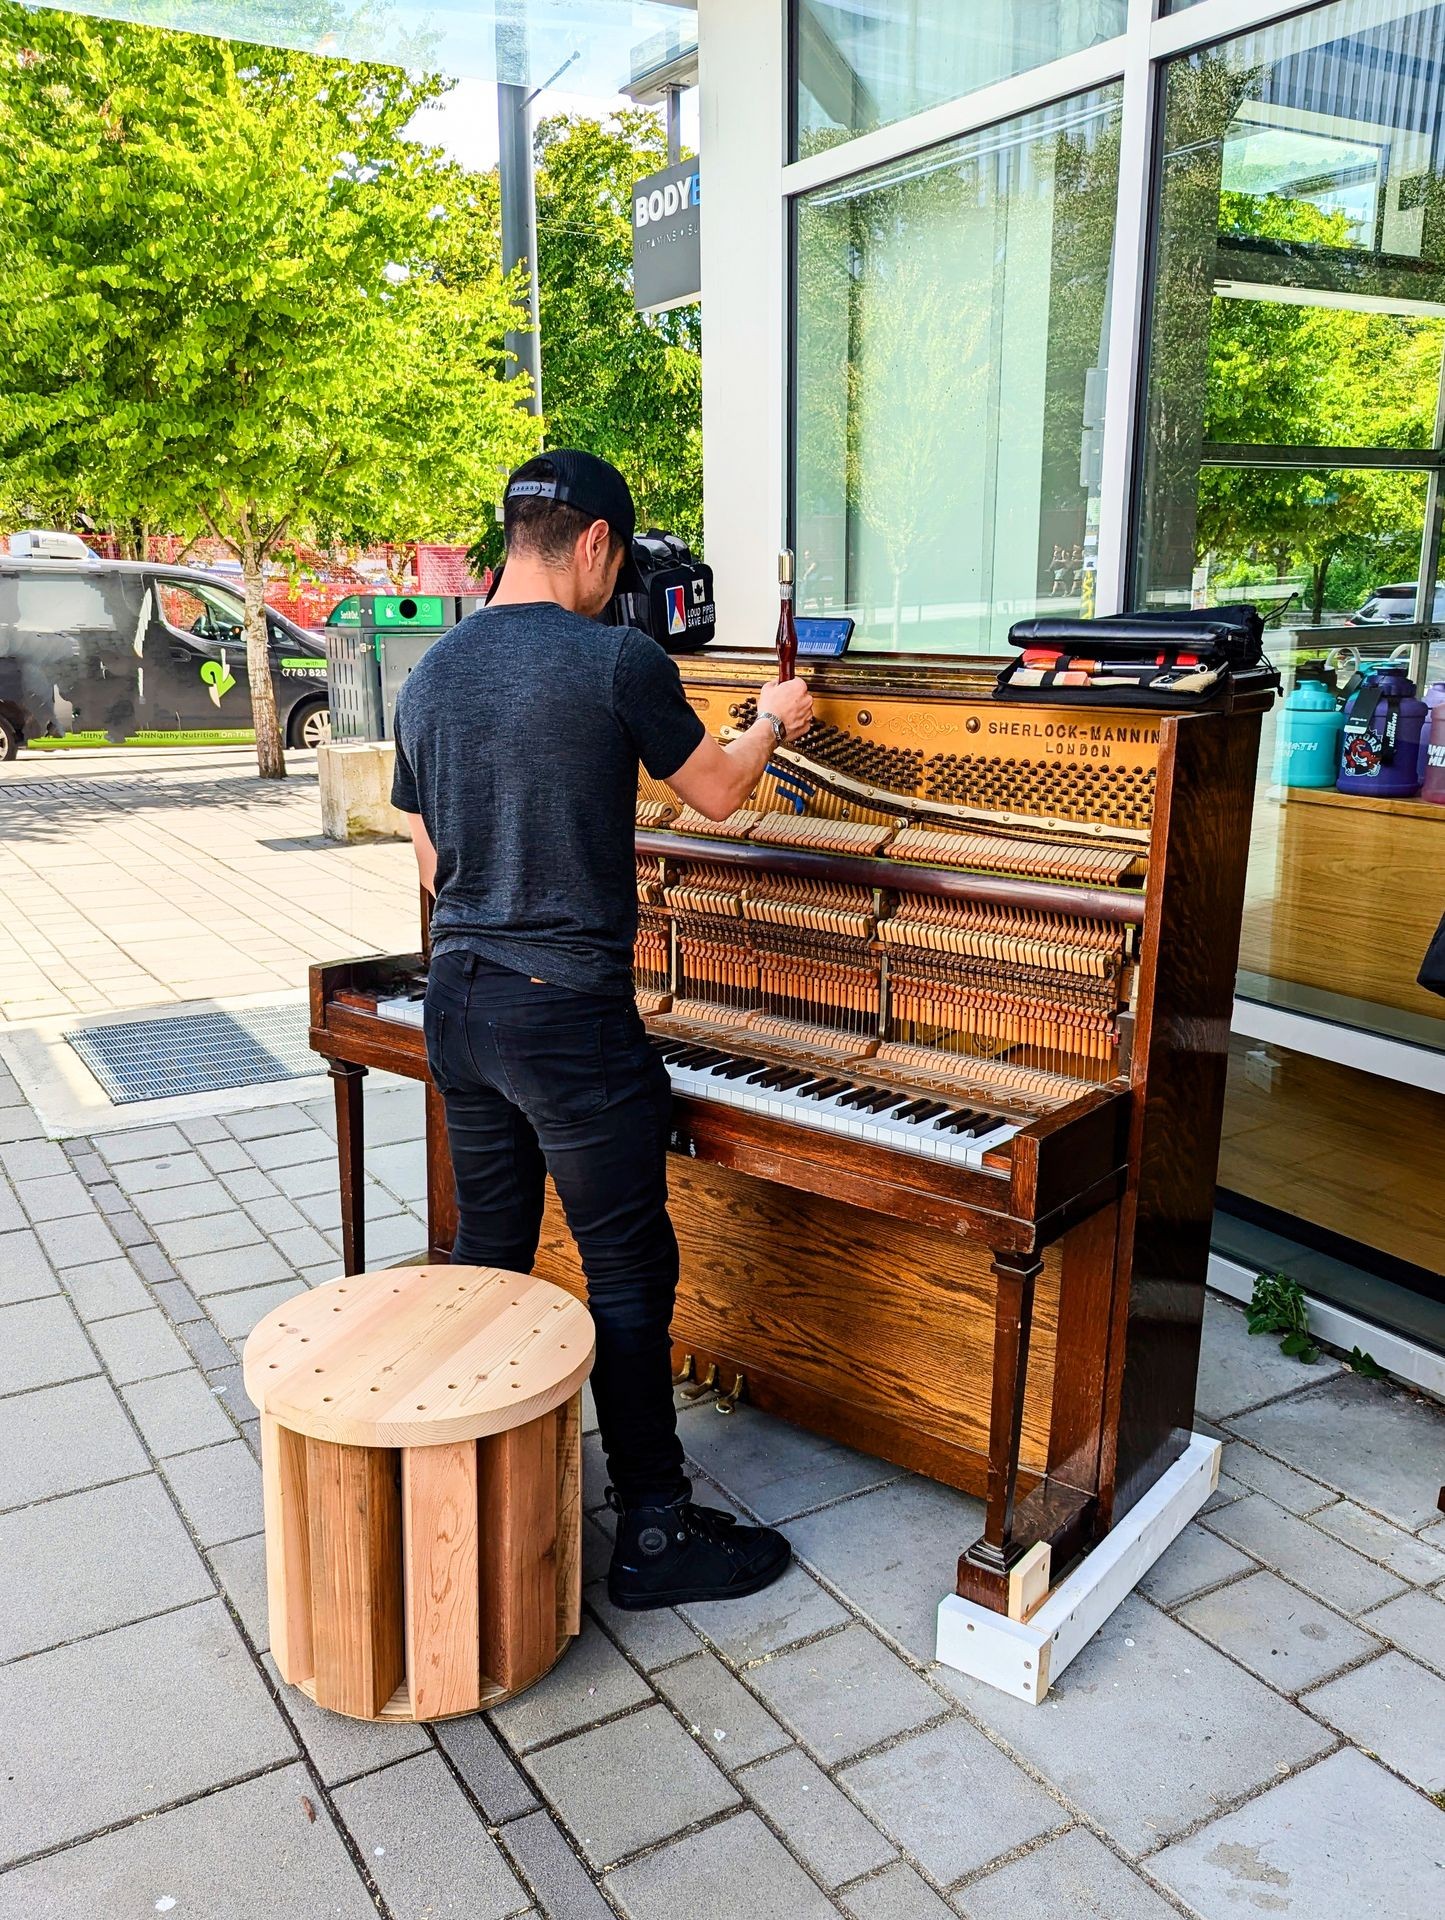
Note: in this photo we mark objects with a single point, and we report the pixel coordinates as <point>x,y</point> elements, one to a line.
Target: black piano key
<point>982,1123</point>
<point>733,1068</point>
<point>885,1099</point>
<point>789,1079</point>
<point>917,1110</point>
<point>760,1072</point>
<point>960,1121</point>
<point>854,1097</point>
<point>771,1076</point>
<point>808,1086</point>
<point>826,1089</point>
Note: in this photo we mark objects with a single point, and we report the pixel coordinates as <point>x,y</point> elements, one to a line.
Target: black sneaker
<point>669,1556</point>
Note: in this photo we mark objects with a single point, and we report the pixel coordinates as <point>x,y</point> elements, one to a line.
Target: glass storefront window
<point>950,374</point>
<point>866,63</point>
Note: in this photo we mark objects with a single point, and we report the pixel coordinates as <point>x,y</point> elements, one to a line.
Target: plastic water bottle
<point>1308,751</point>
<point>1434,727</point>
<point>1380,750</point>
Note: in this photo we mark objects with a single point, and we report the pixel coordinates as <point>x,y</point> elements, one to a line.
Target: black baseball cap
<point>580,480</point>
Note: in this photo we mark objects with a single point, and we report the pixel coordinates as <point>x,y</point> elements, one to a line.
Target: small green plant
<point>1277,1305</point>
<point>1365,1364</point>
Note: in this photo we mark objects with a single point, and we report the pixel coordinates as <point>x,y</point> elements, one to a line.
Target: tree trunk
<point>270,759</point>
<point>1319,573</point>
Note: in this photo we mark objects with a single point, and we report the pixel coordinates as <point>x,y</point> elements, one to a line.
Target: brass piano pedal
<point>687,1371</point>
<point>699,1387</point>
<point>727,1402</point>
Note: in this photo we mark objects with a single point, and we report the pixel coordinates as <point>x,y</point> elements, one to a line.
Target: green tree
<point>234,295</point>
<point>625,385</point>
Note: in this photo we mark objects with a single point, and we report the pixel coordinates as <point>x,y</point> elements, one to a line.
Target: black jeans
<point>538,1080</point>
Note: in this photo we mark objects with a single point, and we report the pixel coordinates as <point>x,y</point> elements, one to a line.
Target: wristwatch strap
<point>780,732</point>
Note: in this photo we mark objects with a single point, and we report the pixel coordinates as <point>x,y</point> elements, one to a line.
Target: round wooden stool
<point>421,1458</point>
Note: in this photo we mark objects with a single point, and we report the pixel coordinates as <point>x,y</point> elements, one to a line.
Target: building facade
<point>1057,306</point>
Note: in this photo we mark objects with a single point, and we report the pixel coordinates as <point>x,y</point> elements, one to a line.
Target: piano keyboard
<point>897,1117</point>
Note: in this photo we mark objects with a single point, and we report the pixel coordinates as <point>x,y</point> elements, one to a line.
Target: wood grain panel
<point>288,1550</point>
<point>569,1518</point>
<point>517,1505</point>
<point>358,1632</point>
<point>443,1614</point>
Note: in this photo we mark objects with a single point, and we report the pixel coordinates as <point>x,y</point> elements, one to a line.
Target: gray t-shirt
<point>518,737</point>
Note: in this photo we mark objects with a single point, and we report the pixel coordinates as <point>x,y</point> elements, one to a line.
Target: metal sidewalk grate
<point>197,1053</point>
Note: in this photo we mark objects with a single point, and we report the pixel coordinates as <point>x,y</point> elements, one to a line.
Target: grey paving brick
<point>548,1866</point>
<point>303,1246</point>
<point>1238,1369</point>
<point>260,1123</point>
<point>311,1176</point>
<point>225,1156</point>
<point>293,1149</point>
<point>1149,1728</point>
<point>205,1346</point>
<point>1415,1622</point>
<point>819,1823</point>
<point>176,1301</point>
<point>103,1288</point>
<point>1372,1441</point>
<point>41,1344</point>
<point>425,1847</point>
<point>229,1271</point>
<point>128,1227</point>
<point>248,1185</point>
<point>19,1123</point>
<point>342,1748</point>
<point>589,1682</point>
<point>112,1201</point>
<point>25,1273</point>
<point>1340,1840</point>
<point>898,1893</point>
<point>629,1783</point>
<point>1277,1632</point>
<point>64,1438</point>
<point>912,1792</point>
<point>198,1132</point>
<point>747,1874</point>
<point>294,1868</point>
<point>236,1313</point>
<point>33,1160</point>
<point>1323,1566</point>
<point>323,1208</point>
<point>1074,1876</point>
<point>124,1555</point>
<point>1248,1467</point>
<point>91,1168</point>
<point>1412,1559</point>
<point>844,1694</point>
<point>855,1546</point>
<point>652,1639</point>
<point>240,1566</point>
<point>401,1167</point>
<point>219,1490</point>
<point>484,1764</point>
<point>82,1237</point>
<point>205,1196</point>
<point>144,1143</point>
<point>276,1214</point>
<point>772,1467</point>
<point>54,1198</point>
<point>720,1710</point>
<point>177,1412</point>
<point>118,1725</point>
<point>161,1174</point>
<point>12,1214</point>
<point>152,1264</point>
<point>210,1233</point>
<point>1393,1708</point>
<point>251,1434</point>
<point>1196,1561</point>
<point>138,1346</point>
<point>394,1239</point>
<point>229,1387</point>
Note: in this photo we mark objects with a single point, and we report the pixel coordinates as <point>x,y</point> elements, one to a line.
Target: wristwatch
<point>780,732</point>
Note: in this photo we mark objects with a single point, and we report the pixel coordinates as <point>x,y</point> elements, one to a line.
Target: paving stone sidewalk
<point>1257,1730</point>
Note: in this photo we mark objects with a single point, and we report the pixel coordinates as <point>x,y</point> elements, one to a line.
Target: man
<point>518,739</point>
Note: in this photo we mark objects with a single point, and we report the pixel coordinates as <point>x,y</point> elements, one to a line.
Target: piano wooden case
<point>1013,927</point>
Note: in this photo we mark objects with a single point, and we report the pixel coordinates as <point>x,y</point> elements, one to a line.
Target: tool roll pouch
<point>1176,658</point>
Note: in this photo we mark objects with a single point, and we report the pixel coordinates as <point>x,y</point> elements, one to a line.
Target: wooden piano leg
<point>441,1185</point>
<point>346,1079</point>
<point>983,1570</point>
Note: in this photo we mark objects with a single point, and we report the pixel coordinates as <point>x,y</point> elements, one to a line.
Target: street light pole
<point>518,193</point>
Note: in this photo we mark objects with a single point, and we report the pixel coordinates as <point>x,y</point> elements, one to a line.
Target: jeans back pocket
<point>556,1070</point>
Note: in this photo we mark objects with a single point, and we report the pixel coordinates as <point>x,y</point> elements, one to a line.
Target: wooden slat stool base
<point>421,1460</point>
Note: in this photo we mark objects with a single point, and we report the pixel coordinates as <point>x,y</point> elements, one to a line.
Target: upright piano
<point>945,1009</point>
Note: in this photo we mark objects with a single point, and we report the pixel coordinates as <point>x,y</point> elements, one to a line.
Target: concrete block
<point>225,1156</point>
<point>306,1178</point>
<point>425,1847</point>
<point>819,1823</point>
<point>1368,1439</point>
<point>144,1143</point>
<point>207,1274</point>
<point>293,1150</point>
<point>176,1301</point>
<point>57,1197</point>
<point>1246,1466</point>
<point>12,1214</point>
<point>177,1412</point>
<point>240,1567</point>
<point>355,781</point>
<point>152,1265</point>
<point>248,1185</point>
<point>483,1763</point>
<point>720,1710</point>
<point>229,1387</point>
<point>41,1344</point>
<point>1414,1560</point>
<point>206,1195</point>
<point>1238,1369</point>
<point>245,1851</point>
<point>198,1132</point>
<point>775,1469</point>
<point>261,1123</point>
<point>844,1694</point>
<point>1195,1562</point>
<point>91,1561</point>
<point>1277,1632</point>
<point>342,1748</point>
<point>590,1682</point>
<point>277,1214</point>
<point>104,1288</point>
<point>19,1123</point>
<point>159,1175</point>
<point>1340,1840</point>
<point>1415,1622</point>
<point>898,1893</point>
<point>303,1246</point>
<point>208,1233</point>
<point>219,1491</point>
<point>206,1347</point>
<point>652,1639</point>
<point>548,1866</point>
<point>74,1241</point>
<point>1075,1875</point>
<point>25,1273</point>
<point>123,1723</point>
<point>1323,1566</point>
<point>236,1313</point>
<point>629,1784</point>
<point>916,1790</point>
<point>747,1875</point>
<point>1395,1710</point>
<point>138,1346</point>
<point>33,1160</point>
<point>63,1438</point>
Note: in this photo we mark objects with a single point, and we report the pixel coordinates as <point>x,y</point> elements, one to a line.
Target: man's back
<point>517,739</point>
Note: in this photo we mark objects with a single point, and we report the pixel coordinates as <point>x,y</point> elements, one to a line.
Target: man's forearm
<point>750,754</point>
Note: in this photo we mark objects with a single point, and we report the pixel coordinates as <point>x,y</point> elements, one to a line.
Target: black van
<point>127,652</point>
